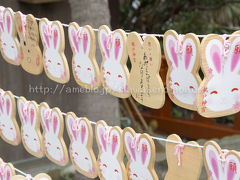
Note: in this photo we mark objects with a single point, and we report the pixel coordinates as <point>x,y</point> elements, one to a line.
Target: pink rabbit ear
<point>70,127</point>
<point>85,42</point>
<point>32,115</point>
<point>102,138</point>
<point>45,115</point>
<point>1,105</point>
<point>83,133</point>
<point>55,38</point>
<point>171,47</point>
<point>46,38</point>
<point>214,164</point>
<point>117,46</point>
<point>189,56</point>
<point>115,142</point>
<point>231,172</point>
<point>235,57</point>
<point>75,39</point>
<point>144,152</point>
<point>55,124</point>
<point>23,113</point>
<point>105,46</point>
<point>132,150</point>
<point>8,174</point>
<point>9,23</point>
<point>8,104</point>
<point>216,58</point>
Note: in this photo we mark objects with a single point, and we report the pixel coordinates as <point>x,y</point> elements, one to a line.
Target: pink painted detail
<point>230,172</point>
<point>213,160</point>
<point>179,47</point>
<point>55,38</point>
<point>1,100</point>
<point>173,53</point>
<point>63,159</point>
<point>32,113</point>
<point>83,133</point>
<point>55,124</point>
<point>45,33</point>
<point>75,40</point>
<point>85,42</point>
<point>188,56</point>
<point>103,140</point>
<point>29,177</point>
<point>132,150</point>
<point>216,58</point>
<point>8,106</point>
<point>178,151</point>
<point>105,46</point>
<point>47,117</point>
<point>144,153</point>
<point>8,23</point>
<point>235,61</point>
<point>236,106</point>
<point>63,75</point>
<point>226,46</point>
<point>8,174</point>
<point>74,129</point>
<point>24,23</point>
<point>117,47</point>
<point>114,143</point>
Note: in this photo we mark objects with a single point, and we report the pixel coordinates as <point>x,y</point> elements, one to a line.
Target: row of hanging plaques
<point>217,95</point>
<point>184,159</point>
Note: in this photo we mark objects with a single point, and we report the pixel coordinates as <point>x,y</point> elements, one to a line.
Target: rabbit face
<point>109,142</point>
<point>222,90</point>
<point>81,43</point>
<point>8,44</point>
<point>54,148</point>
<point>114,75</point>
<point>28,116</point>
<point>184,89</point>
<point>216,168</point>
<point>183,84</point>
<point>7,126</point>
<point>79,131</point>
<point>139,155</point>
<point>115,80</point>
<point>55,63</point>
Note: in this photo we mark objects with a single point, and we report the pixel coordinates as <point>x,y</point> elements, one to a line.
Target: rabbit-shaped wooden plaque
<point>54,60</point>
<point>185,163</point>
<point>31,135</point>
<point>110,157</point>
<point>146,85</point>
<point>7,170</point>
<point>31,55</point>
<point>221,164</point>
<point>9,44</point>
<point>218,94</point>
<point>114,72</point>
<point>84,65</point>
<point>9,129</point>
<point>53,126</point>
<point>81,135</point>
<point>140,150</point>
<point>41,176</point>
<point>183,59</point>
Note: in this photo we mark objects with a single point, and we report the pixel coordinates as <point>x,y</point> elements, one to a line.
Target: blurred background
<point>145,16</point>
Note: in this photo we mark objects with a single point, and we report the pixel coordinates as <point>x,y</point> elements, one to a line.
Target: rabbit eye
<point>11,128</point>
<point>26,135</point>
<point>86,158</point>
<point>49,143</point>
<point>120,76</point>
<point>135,175</point>
<point>115,170</point>
<point>76,153</point>
<point>89,69</point>
<point>12,46</point>
<point>108,73</point>
<point>58,148</point>
<point>58,63</point>
<point>3,125</point>
<point>49,61</point>
<point>78,66</point>
<point>104,165</point>
<point>214,92</point>
<point>234,89</point>
<point>35,139</point>
<point>176,83</point>
<point>191,87</point>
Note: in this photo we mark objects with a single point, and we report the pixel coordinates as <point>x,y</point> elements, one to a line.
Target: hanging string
<point>157,35</point>
<point>153,137</point>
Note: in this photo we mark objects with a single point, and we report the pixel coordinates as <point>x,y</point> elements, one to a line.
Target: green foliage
<point>200,17</point>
